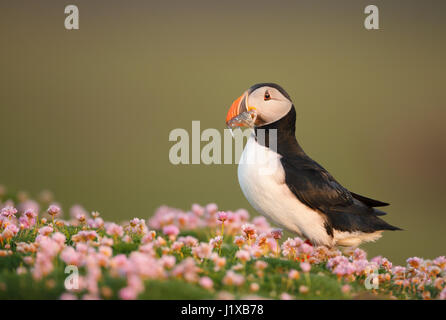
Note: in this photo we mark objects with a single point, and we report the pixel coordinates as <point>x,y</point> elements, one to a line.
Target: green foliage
<point>273,281</point>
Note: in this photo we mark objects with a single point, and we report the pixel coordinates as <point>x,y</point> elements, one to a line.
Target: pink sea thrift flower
<point>10,231</point>
<point>305,266</point>
<point>243,255</point>
<point>187,269</point>
<point>30,214</point>
<point>442,295</point>
<point>71,257</point>
<point>277,233</point>
<point>206,283</point>
<point>239,241</point>
<point>189,241</point>
<point>346,288</point>
<point>293,274</point>
<point>216,242</point>
<point>59,238</point>
<point>8,212</point>
<point>254,287</point>
<point>306,249</point>
<point>46,230</point>
<point>202,251</point>
<point>53,210</point>
<point>304,289</point>
<point>211,208</point>
<point>233,279</point>
<point>28,205</point>
<point>286,296</point>
<point>168,261</point>
<point>171,231</point>
<point>78,211</point>
<point>67,296</point>
<point>219,262</point>
<point>261,265</point>
<point>222,216</point>
<point>114,230</point>
<point>242,214</point>
<point>128,293</point>
<point>95,223</point>
<point>197,209</point>
<point>249,231</point>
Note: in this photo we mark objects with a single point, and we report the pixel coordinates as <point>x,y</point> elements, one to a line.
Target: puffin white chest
<point>262,180</point>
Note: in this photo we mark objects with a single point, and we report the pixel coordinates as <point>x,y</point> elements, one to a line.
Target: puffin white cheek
<point>273,112</point>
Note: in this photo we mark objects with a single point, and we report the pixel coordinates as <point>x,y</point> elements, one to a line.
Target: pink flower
<point>304,289</point>
<point>177,246</point>
<point>30,214</point>
<point>249,230</point>
<point>415,262</point>
<point>67,296</point>
<point>10,231</point>
<point>261,265</point>
<point>286,296</point>
<point>211,208</point>
<point>277,233</point>
<point>305,266</point>
<point>359,254</point>
<point>113,229</point>
<point>8,212</point>
<point>219,262</point>
<point>77,210</point>
<point>306,249</point>
<point>95,223</point>
<point>254,287</point>
<point>53,210</point>
<point>128,293</point>
<point>206,283</point>
<point>71,257</point>
<point>222,216</point>
<point>346,288</point>
<point>233,279</point>
<point>171,230</point>
<point>242,214</point>
<point>202,251</point>
<point>59,238</point>
<point>44,231</point>
<point>261,224</point>
<point>239,240</point>
<point>188,241</point>
<point>197,209</point>
<point>243,255</point>
<point>293,274</point>
<point>442,295</point>
<point>168,261</point>
<point>216,242</point>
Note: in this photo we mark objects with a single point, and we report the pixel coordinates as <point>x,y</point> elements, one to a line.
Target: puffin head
<point>263,102</point>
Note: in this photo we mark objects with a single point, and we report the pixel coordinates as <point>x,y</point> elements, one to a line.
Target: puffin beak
<point>238,107</point>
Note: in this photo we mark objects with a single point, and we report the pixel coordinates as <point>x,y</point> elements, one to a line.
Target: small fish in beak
<point>240,114</point>
<point>244,119</point>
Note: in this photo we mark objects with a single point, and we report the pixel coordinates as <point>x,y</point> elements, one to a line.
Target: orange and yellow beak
<point>239,106</point>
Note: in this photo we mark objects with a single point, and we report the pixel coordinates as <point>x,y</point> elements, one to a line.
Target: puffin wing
<point>368,201</point>
<point>316,188</point>
<point>313,185</point>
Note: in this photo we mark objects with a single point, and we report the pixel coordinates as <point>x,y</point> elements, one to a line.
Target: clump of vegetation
<point>202,253</point>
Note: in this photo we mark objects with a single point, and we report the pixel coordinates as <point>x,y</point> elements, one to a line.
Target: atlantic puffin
<point>299,195</point>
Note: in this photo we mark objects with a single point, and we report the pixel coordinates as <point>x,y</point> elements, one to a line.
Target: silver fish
<point>246,118</point>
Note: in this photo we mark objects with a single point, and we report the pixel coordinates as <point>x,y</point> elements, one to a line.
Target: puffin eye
<point>267,96</point>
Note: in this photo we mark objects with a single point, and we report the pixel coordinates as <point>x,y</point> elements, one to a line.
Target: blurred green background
<point>87,113</point>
